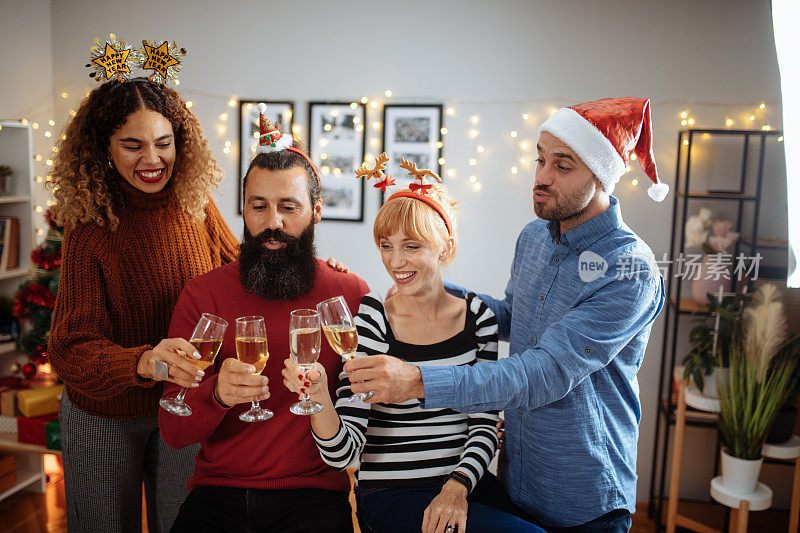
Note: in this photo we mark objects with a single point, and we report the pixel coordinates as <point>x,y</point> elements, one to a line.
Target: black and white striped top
<point>402,445</point>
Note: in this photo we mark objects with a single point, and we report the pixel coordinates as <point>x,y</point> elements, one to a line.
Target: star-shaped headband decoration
<point>377,172</point>
<point>112,59</point>
<point>163,60</point>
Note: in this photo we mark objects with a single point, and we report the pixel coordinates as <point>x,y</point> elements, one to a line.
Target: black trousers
<point>233,509</point>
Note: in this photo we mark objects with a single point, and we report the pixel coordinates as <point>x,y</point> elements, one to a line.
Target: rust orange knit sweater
<point>116,296</point>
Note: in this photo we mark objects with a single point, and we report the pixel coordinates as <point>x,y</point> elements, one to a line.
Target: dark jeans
<point>401,510</point>
<point>617,521</point>
<point>233,509</point>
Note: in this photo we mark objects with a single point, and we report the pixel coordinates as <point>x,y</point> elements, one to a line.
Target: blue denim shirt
<point>578,312</point>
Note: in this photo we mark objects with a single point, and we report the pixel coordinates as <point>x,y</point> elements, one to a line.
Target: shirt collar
<point>586,233</point>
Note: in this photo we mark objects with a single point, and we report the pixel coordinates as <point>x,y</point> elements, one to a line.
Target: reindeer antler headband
<point>419,190</point>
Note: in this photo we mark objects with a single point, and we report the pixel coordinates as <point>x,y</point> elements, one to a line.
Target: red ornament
<point>29,370</point>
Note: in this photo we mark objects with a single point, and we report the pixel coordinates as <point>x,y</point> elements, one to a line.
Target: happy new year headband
<point>270,139</point>
<point>418,191</point>
<point>114,58</point>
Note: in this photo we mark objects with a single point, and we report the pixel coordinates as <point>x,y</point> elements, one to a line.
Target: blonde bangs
<point>414,218</point>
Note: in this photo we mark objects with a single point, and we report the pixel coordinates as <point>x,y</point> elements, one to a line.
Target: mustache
<point>276,234</point>
<point>542,188</point>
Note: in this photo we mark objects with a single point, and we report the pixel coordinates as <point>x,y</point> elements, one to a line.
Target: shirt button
<point>541,297</point>
<point>588,350</point>
<point>577,248</point>
<point>532,339</point>
<point>516,451</point>
<point>555,260</point>
<point>520,416</point>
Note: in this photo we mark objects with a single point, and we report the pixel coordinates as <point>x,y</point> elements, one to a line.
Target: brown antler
<point>376,171</point>
<point>417,174</point>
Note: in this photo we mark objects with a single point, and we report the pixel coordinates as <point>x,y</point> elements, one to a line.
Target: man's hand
<point>392,380</point>
<point>236,384</point>
<point>449,508</point>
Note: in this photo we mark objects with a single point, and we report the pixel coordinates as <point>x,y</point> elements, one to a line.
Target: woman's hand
<point>314,382</point>
<point>449,508</point>
<point>179,369</point>
<point>336,265</point>
<point>501,433</point>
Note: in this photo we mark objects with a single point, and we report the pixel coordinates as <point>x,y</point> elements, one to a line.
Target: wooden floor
<point>28,512</point>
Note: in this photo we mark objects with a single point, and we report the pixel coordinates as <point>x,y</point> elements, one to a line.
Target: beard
<point>283,274</point>
<point>564,208</point>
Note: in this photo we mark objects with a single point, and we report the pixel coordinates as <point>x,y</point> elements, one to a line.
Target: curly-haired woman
<point>131,178</point>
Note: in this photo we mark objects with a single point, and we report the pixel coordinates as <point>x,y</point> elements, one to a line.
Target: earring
<point>110,163</point>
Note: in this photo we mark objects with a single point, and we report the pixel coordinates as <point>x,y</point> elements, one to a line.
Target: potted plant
<point>5,172</point>
<point>714,238</point>
<point>763,373</point>
<point>703,364</point>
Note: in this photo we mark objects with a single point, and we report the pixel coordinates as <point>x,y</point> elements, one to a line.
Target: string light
<point>248,106</point>
<point>373,142</point>
<point>473,133</point>
<point>474,119</point>
<point>439,144</point>
<point>327,127</point>
<point>24,121</point>
<point>634,182</point>
<point>728,122</point>
<point>388,93</point>
<point>39,209</point>
<point>51,122</point>
<point>442,161</point>
<point>686,142</point>
<point>780,139</point>
<point>353,105</point>
<point>323,156</point>
<point>526,116</point>
<point>189,104</point>
<point>473,162</point>
<point>514,170</point>
<point>65,95</point>
<point>35,125</point>
<point>337,171</point>
<point>690,121</point>
<point>356,120</point>
<point>296,129</point>
<point>376,125</point>
<point>373,104</point>
<point>627,168</point>
<point>762,105</point>
<point>63,137</point>
<point>37,157</point>
<point>684,114</point>
<point>751,117</point>
<point>49,162</point>
<point>523,161</point>
<point>525,145</point>
<point>39,179</point>
<point>552,110</point>
<point>443,131</point>
<point>766,128</point>
<point>479,148</point>
<point>232,103</point>
<point>451,111</point>
<point>360,127</point>
<point>452,172</point>
<point>223,116</point>
<point>323,142</point>
<point>364,99</point>
<point>334,113</point>
<point>473,179</point>
<point>513,134</point>
<point>48,134</point>
<point>684,122</point>
<point>477,186</point>
<point>633,157</point>
<point>326,170</point>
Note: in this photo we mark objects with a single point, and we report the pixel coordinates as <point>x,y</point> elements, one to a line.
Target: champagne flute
<point>251,348</point>
<point>304,345</point>
<point>207,340</point>
<point>337,323</point>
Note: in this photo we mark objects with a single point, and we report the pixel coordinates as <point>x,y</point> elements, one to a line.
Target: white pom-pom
<point>658,191</point>
<point>262,107</point>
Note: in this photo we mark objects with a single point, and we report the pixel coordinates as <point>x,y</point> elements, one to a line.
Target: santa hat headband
<point>603,133</point>
<point>418,190</point>
<point>270,139</point>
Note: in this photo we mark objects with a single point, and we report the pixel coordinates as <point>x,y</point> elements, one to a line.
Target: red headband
<point>308,159</point>
<point>428,200</point>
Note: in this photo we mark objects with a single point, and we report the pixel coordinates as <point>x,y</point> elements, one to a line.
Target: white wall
<point>494,59</point>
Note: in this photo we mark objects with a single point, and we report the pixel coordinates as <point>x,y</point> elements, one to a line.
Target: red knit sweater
<point>116,296</point>
<point>278,453</point>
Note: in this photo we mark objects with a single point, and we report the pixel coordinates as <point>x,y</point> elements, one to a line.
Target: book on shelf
<point>9,243</point>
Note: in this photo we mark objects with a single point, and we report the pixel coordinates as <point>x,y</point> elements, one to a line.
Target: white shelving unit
<point>16,151</point>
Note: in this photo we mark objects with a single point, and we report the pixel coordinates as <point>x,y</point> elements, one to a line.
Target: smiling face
<point>414,265</point>
<point>143,150</point>
<point>564,186</point>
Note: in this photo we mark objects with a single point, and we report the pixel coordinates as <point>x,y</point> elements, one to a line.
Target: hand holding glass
<point>251,348</point>
<point>337,323</point>
<point>304,345</point>
<point>207,340</point>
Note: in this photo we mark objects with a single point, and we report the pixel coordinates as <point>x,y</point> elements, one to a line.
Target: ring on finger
<point>161,369</point>
<point>449,527</point>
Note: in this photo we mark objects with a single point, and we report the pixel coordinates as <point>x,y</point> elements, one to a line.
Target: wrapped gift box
<point>8,471</point>
<point>53,435</point>
<point>8,424</point>
<point>39,401</point>
<point>33,430</point>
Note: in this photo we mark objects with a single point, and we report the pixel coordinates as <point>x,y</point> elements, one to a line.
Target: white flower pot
<point>718,376</point>
<point>740,475</point>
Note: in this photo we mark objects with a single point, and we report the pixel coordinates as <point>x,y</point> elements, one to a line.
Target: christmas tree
<point>36,298</point>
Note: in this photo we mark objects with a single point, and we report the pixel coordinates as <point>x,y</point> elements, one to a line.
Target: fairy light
<point>690,121</point>
<point>686,142</point>
<point>39,231</point>
<point>525,145</point>
<point>751,117</point>
<point>49,162</point>
<point>39,179</point>
<point>523,161</point>
<point>356,120</point>
<point>388,93</point>
<point>766,128</point>
<point>248,106</point>
<point>35,125</point>
<point>473,162</point>
<point>373,142</point>
<point>474,119</point>
<point>327,127</point>
<point>762,105</point>
<point>326,170</point>
<point>627,168</point>
<point>477,186</point>
<point>232,103</point>
<point>443,131</point>
<point>50,203</point>
<point>376,125</point>
<point>334,113</point>
<point>514,134</point>
<point>439,144</point>
<point>51,122</point>
<point>323,142</point>
<point>323,156</point>
<point>634,182</point>
<point>223,116</point>
<point>633,157</point>
<point>373,104</point>
<point>37,157</point>
<point>473,179</point>
<point>39,209</point>
<point>514,170</point>
<point>451,172</point>
<point>473,133</point>
<point>364,100</point>
<point>337,171</point>
<point>728,122</point>
<point>442,161</point>
<point>63,137</point>
<point>177,82</point>
<point>684,122</point>
<point>360,127</point>
<point>684,114</point>
<point>24,121</point>
<point>189,104</point>
<point>296,129</point>
<point>65,95</point>
<point>451,111</point>
<point>48,134</point>
<point>88,93</point>
<point>526,116</point>
<point>780,139</point>
<point>479,149</point>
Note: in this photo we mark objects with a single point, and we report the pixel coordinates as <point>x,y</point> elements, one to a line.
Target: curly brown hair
<point>87,188</point>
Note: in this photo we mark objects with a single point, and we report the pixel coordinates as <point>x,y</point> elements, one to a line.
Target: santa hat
<point>604,133</point>
<point>270,139</point>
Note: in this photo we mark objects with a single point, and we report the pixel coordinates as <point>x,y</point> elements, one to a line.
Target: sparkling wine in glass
<point>337,323</point>
<point>207,340</point>
<point>251,348</point>
<point>304,345</point>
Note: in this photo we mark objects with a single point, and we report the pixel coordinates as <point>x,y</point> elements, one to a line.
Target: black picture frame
<point>248,125</point>
<point>413,132</point>
<point>337,145</point>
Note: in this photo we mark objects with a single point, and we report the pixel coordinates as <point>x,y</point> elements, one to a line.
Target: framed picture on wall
<point>280,113</point>
<point>412,132</point>
<point>337,146</point>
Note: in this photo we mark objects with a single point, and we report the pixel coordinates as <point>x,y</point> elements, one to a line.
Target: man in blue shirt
<point>583,294</point>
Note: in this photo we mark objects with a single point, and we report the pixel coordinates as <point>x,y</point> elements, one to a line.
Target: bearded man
<point>578,310</point>
<point>266,475</point>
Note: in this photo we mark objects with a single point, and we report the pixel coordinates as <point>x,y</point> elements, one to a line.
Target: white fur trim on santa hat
<point>589,143</point>
<point>658,191</point>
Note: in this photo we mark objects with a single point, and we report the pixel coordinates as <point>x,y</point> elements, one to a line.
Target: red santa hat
<point>604,133</point>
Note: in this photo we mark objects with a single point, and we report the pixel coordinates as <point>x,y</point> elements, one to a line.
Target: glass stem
<point>254,404</point>
<point>179,399</point>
